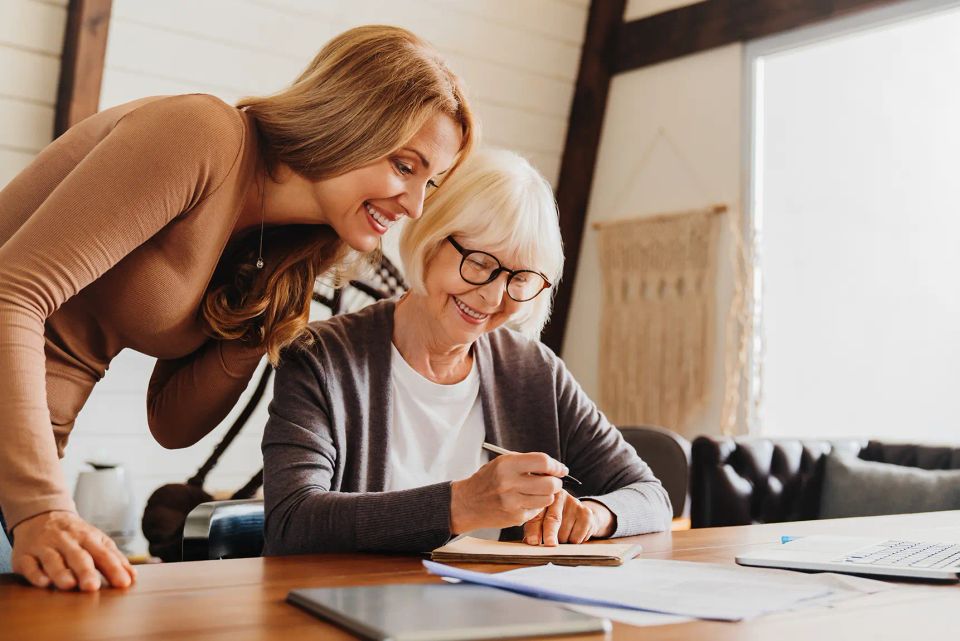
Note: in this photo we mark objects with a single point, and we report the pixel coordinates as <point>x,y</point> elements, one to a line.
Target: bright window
<point>855,195</point>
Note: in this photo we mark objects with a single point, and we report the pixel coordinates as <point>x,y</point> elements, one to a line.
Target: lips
<point>469,311</point>
<point>382,218</point>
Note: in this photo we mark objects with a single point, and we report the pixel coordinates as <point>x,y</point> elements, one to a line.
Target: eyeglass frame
<point>495,274</point>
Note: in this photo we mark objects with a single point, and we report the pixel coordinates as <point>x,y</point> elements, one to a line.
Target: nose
<point>493,292</point>
<point>412,202</point>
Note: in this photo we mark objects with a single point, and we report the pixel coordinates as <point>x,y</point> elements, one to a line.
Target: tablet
<point>441,612</point>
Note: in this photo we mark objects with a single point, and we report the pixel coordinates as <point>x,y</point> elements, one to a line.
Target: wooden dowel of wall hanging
<point>714,209</point>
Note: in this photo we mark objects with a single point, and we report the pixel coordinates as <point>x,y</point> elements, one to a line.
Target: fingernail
<point>89,584</point>
<point>531,540</point>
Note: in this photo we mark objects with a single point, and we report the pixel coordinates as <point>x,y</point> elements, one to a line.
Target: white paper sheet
<point>700,590</point>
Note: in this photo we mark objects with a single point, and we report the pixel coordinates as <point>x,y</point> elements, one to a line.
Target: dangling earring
<point>262,214</point>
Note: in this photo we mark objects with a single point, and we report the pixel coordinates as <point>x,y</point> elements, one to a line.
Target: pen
<point>787,539</point>
<point>490,447</point>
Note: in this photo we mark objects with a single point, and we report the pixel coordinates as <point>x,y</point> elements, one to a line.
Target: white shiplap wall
<point>519,60</point>
<point>31,37</point>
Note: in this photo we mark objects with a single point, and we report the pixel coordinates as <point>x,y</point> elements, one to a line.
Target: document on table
<point>681,588</point>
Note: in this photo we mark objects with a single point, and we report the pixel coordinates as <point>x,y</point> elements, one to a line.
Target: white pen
<point>496,449</point>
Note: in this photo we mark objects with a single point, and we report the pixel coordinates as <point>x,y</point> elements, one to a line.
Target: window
<point>855,199</point>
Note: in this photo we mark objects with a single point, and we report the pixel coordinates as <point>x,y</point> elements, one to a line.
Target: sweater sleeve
<point>160,160</point>
<point>611,470</point>
<point>190,396</point>
<point>302,453</point>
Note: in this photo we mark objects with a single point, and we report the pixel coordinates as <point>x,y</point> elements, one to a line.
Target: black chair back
<point>668,455</point>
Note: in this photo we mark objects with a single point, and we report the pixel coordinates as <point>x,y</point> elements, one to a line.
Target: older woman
<point>376,444</point>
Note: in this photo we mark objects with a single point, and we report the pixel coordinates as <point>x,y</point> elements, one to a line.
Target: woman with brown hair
<point>193,231</point>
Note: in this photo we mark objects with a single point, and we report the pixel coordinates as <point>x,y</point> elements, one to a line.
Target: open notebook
<point>470,550</point>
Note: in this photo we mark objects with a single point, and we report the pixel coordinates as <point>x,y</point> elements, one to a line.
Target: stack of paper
<point>470,550</point>
<point>682,588</point>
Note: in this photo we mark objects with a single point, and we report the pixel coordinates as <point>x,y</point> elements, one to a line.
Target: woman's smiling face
<point>462,312</point>
<point>361,205</point>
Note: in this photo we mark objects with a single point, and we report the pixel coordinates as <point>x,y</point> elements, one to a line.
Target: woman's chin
<point>363,243</point>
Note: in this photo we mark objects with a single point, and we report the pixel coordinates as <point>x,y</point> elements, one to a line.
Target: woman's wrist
<point>459,514</point>
<point>606,520</point>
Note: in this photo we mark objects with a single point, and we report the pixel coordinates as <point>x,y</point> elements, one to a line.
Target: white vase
<point>105,499</point>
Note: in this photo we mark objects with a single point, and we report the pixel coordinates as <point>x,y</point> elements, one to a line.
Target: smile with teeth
<point>469,311</point>
<point>381,219</point>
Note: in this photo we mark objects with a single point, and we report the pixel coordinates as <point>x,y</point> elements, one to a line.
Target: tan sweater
<point>108,240</point>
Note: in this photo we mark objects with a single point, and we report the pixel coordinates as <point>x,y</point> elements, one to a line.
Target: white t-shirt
<point>438,430</point>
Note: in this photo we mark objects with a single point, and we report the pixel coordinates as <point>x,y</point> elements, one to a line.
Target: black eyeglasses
<point>480,268</point>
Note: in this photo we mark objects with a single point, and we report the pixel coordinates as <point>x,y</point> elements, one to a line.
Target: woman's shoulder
<point>204,107</point>
<point>353,336</point>
<point>201,115</point>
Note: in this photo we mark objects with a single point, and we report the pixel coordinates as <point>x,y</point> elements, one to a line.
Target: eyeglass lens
<point>478,268</point>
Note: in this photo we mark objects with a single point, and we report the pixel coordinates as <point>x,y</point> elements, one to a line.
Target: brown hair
<point>366,93</point>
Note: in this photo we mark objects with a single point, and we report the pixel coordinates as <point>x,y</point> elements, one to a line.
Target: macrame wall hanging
<point>658,317</point>
<point>659,310</point>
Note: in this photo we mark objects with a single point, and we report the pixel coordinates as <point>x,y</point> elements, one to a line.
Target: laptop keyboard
<point>908,554</point>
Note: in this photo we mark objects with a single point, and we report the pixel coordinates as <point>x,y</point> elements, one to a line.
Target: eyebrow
<point>423,159</point>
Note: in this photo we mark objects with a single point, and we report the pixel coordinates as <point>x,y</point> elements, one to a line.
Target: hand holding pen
<point>566,519</point>
<point>496,449</point>
<point>509,490</point>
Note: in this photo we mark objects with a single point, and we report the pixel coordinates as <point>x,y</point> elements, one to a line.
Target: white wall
<point>637,9</point>
<point>519,60</point>
<point>696,101</point>
<point>31,37</point>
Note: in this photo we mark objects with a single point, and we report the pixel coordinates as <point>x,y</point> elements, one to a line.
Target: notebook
<point>467,549</point>
<point>435,612</point>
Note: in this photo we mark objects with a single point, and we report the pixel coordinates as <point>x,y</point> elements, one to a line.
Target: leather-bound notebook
<point>467,549</point>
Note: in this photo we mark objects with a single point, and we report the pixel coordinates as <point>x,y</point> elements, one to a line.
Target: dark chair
<point>739,481</point>
<point>224,530</point>
<point>668,455</point>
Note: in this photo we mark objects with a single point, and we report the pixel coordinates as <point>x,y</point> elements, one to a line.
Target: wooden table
<point>243,599</point>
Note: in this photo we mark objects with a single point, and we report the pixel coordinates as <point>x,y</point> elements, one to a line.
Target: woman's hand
<point>568,520</point>
<point>61,549</point>
<point>509,490</point>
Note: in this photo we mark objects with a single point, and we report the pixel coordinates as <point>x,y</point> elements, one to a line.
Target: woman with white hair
<point>376,443</point>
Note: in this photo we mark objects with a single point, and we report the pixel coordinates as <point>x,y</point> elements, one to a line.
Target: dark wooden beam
<point>580,149</point>
<point>81,65</point>
<point>715,23</point>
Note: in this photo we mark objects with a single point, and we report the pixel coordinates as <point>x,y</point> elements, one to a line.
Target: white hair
<point>498,203</point>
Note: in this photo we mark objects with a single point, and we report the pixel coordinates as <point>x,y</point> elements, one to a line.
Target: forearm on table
<point>638,508</point>
<point>311,520</point>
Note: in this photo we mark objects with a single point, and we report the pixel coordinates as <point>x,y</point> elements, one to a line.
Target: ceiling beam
<point>715,23</point>
<point>81,65</point>
<point>580,149</point>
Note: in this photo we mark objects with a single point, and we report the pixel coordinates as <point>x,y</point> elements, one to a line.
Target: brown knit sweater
<point>108,240</point>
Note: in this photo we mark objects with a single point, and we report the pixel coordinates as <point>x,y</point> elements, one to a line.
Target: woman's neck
<point>422,347</point>
<point>279,197</point>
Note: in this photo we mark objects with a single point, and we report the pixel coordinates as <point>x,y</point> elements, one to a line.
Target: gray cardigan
<point>325,444</point>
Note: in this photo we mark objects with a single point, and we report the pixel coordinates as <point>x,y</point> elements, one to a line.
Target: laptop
<point>865,556</point>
